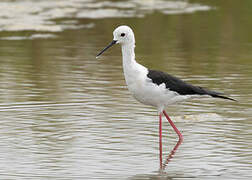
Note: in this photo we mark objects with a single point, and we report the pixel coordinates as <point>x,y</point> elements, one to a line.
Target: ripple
<point>34,36</point>
<point>33,15</point>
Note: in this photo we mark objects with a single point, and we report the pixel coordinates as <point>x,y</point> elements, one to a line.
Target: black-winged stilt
<point>153,87</point>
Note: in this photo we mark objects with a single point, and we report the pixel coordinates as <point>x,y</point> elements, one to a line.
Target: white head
<point>122,35</point>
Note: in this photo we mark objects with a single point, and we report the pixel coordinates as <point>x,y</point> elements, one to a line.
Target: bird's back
<point>179,86</point>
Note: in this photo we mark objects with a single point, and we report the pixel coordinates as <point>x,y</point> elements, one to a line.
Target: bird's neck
<point>131,69</point>
<point>128,54</point>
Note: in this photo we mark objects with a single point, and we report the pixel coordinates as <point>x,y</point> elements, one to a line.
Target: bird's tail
<point>218,95</point>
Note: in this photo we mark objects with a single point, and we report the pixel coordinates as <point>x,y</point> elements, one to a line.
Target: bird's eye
<point>123,34</point>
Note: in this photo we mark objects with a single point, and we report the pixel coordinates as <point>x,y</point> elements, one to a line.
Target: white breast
<point>145,91</point>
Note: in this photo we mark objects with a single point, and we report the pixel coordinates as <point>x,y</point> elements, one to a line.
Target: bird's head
<point>122,35</point>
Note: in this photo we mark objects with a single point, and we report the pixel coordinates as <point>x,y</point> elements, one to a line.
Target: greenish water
<point>67,115</point>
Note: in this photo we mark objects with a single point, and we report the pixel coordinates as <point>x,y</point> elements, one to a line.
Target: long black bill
<point>111,44</point>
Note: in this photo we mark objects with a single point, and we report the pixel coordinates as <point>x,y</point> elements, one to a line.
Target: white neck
<point>128,55</point>
<point>132,70</point>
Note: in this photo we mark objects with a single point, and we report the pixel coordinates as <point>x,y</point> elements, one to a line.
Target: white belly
<point>155,95</point>
<point>145,91</point>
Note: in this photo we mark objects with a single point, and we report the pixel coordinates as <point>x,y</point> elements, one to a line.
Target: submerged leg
<point>160,139</point>
<point>174,127</point>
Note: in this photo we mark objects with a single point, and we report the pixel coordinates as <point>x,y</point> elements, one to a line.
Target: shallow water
<point>67,115</point>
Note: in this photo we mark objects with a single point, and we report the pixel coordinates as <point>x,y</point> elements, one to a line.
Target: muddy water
<point>66,115</point>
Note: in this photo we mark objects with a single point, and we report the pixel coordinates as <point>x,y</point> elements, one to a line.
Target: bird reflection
<point>170,156</point>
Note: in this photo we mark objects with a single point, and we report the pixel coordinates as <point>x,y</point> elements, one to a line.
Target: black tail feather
<point>218,95</point>
<point>221,96</point>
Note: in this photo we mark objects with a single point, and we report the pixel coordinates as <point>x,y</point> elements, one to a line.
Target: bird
<point>154,87</point>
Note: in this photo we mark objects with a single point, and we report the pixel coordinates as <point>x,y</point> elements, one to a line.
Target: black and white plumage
<point>181,87</point>
<point>152,87</point>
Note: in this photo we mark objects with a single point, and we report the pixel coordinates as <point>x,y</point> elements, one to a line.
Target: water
<point>66,115</point>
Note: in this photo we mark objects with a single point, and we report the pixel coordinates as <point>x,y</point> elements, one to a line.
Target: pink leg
<point>160,140</point>
<point>174,127</point>
<point>162,166</point>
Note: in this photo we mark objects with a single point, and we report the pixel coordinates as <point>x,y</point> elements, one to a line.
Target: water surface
<point>66,115</point>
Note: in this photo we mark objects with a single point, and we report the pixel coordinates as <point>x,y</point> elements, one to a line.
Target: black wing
<point>175,84</point>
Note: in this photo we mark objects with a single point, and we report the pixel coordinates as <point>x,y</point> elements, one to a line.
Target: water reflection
<point>170,156</point>
<point>33,15</point>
